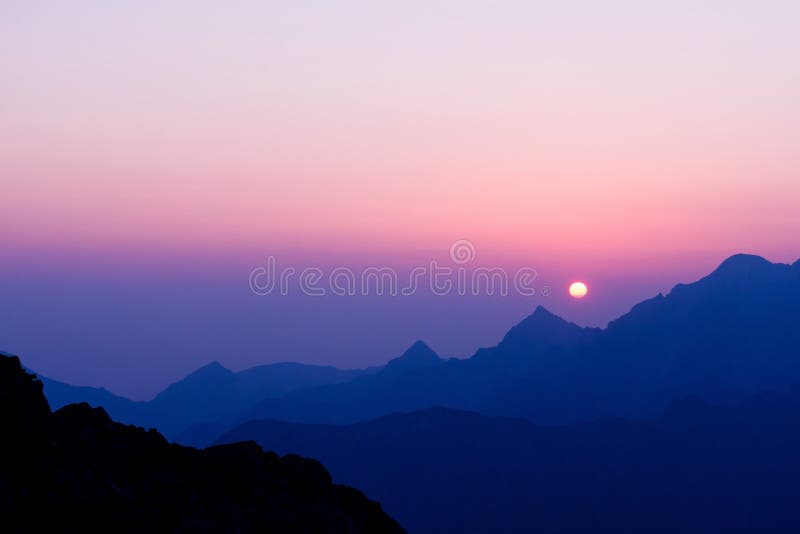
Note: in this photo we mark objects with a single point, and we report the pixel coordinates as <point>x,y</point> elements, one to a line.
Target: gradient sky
<point>152,153</point>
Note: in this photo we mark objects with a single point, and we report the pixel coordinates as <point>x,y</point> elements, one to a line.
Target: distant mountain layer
<point>418,356</point>
<point>697,469</point>
<point>210,393</point>
<point>724,337</point>
<point>77,470</point>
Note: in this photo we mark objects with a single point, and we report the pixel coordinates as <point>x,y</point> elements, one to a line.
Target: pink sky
<point>623,140</point>
<point>565,130</point>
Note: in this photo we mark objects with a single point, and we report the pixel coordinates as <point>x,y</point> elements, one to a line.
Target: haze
<point>152,155</point>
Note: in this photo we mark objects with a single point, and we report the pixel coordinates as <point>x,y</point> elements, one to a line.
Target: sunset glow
<point>578,290</point>
<point>179,144</point>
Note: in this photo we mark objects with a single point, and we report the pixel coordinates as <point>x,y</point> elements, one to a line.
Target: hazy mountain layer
<point>697,469</point>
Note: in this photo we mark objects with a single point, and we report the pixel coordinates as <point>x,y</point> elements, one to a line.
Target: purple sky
<point>153,153</point>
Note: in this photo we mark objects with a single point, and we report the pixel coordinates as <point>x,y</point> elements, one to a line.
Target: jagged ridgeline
<point>77,470</point>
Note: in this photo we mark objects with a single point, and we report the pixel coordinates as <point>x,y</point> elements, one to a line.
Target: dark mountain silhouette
<point>699,468</point>
<point>709,452</point>
<point>77,470</point>
<point>724,337</point>
<point>213,392</point>
<point>391,386</point>
<point>417,357</point>
<point>542,330</point>
<point>210,393</point>
<point>420,379</point>
<point>60,394</point>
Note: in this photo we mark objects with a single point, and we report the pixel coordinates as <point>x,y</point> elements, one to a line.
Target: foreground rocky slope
<point>76,469</point>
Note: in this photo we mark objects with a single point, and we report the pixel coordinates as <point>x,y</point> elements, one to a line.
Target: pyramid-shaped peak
<point>214,366</point>
<point>419,354</point>
<point>419,350</point>
<point>541,326</point>
<point>209,370</point>
<point>541,316</point>
<point>543,313</point>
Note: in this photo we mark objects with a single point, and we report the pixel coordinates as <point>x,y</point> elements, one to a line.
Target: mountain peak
<point>542,316</point>
<point>419,346</point>
<point>745,288</point>
<point>210,369</point>
<point>748,274</point>
<point>542,312</point>
<point>542,327</point>
<point>416,356</point>
<point>195,387</point>
<point>739,264</point>
<point>419,352</point>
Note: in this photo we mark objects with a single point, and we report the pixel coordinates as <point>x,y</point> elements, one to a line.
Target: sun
<point>578,290</point>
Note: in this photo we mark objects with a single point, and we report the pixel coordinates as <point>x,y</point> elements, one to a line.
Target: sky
<point>152,154</point>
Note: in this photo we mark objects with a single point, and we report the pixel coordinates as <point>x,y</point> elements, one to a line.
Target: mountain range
<point>76,470</point>
<point>210,393</point>
<point>681,415</point>
<point>727,336</point>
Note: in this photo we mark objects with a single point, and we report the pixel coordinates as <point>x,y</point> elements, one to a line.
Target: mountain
<point>541,342</point>
<point>60,394</point>
<point>541,330</point>
<point>698,468</point>
<point>75,469</point>
<point>208,394</point>
<point>417,356</point>
<point>724,337</point>
<point>361,398</point>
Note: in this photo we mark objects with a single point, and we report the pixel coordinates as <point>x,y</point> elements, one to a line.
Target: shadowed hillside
<point>699,468</point>
<point>77,470</point>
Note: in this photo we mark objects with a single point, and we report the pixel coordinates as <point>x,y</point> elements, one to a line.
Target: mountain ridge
<point>696,468</point>
<point>547,369</point>
<point>208,393</point>
<point>77,469</point>
<point>708,337</point>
